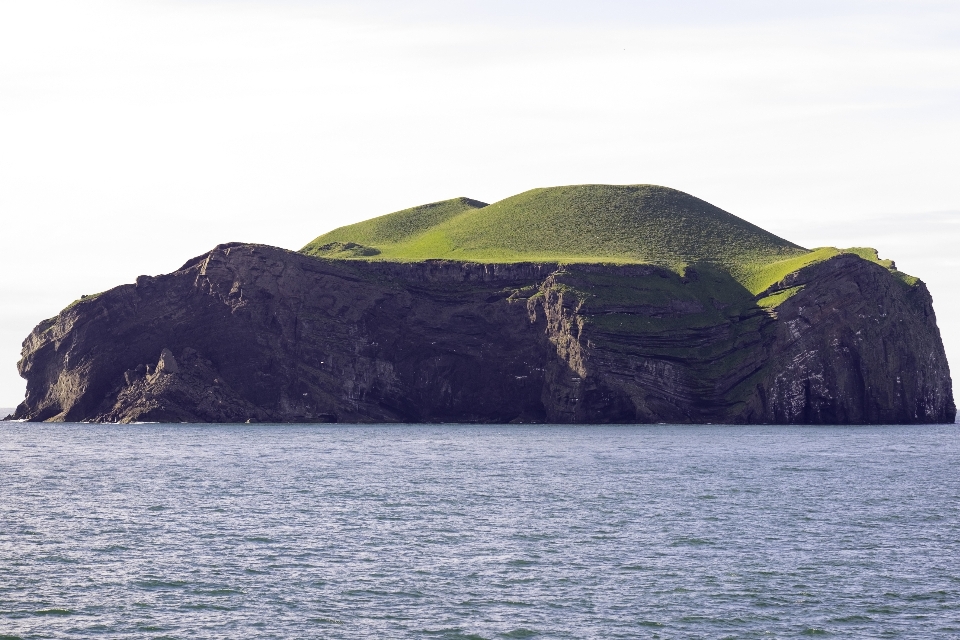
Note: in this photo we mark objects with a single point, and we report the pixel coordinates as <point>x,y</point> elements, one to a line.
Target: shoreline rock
<point>251,333</point>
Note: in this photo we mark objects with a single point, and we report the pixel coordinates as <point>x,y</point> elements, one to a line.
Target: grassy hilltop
<point>581,223</point>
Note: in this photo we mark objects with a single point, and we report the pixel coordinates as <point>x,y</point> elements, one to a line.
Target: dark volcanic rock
<point>250,332</point>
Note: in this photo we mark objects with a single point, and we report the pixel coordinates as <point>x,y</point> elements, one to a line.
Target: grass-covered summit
<point>582,223</point>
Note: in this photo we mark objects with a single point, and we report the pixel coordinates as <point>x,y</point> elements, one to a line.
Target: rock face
<point>256,333</point>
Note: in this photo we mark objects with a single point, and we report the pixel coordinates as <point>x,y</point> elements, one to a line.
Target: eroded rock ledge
<point>256,333</point>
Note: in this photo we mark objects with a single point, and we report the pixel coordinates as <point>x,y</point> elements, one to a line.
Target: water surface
<point>333,531</point>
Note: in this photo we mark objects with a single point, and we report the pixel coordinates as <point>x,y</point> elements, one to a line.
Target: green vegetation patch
<point>760,277</point>
<point>776,299</point>
<point>662,301</point>
<point>583,223</point>
<point>704,319</point>
<point>345,250</point>
<point>391,229</point>
<point>616,224</point>
<point>84,298</point>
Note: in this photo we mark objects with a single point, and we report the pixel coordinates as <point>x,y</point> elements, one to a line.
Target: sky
<point>136,134</point>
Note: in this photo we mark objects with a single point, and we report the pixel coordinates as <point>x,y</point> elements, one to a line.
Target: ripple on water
<point>479,532</point>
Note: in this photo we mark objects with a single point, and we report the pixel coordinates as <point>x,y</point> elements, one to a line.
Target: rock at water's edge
<point>259,334</point>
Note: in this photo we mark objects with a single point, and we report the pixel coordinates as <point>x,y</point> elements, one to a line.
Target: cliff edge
<point>255,333</point>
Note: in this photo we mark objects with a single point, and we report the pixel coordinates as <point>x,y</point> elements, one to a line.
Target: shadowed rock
<point>262,334</point>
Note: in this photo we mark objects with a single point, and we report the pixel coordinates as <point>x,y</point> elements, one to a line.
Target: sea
<point>460,531</point>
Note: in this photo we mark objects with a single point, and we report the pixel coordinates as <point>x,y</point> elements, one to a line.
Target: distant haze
<point>136,135</point>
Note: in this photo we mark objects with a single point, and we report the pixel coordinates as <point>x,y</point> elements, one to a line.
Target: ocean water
<point>334,531</point>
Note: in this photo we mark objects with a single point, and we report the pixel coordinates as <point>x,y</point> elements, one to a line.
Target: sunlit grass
<point>582,223</point>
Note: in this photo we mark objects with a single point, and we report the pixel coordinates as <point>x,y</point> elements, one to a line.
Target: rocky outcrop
<point>256,333</point>
<point>856,345</point>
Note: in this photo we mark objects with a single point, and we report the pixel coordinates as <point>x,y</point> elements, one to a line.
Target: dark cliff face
<point>856,346</point>
<point>250,332</point>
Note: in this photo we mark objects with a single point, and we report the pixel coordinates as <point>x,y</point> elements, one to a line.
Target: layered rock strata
<point>255,333</point>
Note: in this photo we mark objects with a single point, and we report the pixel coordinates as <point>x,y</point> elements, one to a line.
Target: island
<point>578,304</point>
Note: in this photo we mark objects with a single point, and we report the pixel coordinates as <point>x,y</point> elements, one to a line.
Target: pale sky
<point>136,134</point>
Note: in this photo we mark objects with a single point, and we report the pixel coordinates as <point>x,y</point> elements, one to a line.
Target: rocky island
<point>581,304</point>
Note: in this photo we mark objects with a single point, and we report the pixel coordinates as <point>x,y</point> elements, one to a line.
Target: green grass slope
<point>757,278</point>
<point>366,238</point>
<point>581,223</point>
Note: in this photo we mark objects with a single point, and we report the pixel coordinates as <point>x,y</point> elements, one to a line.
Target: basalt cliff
<point>342,333</point>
